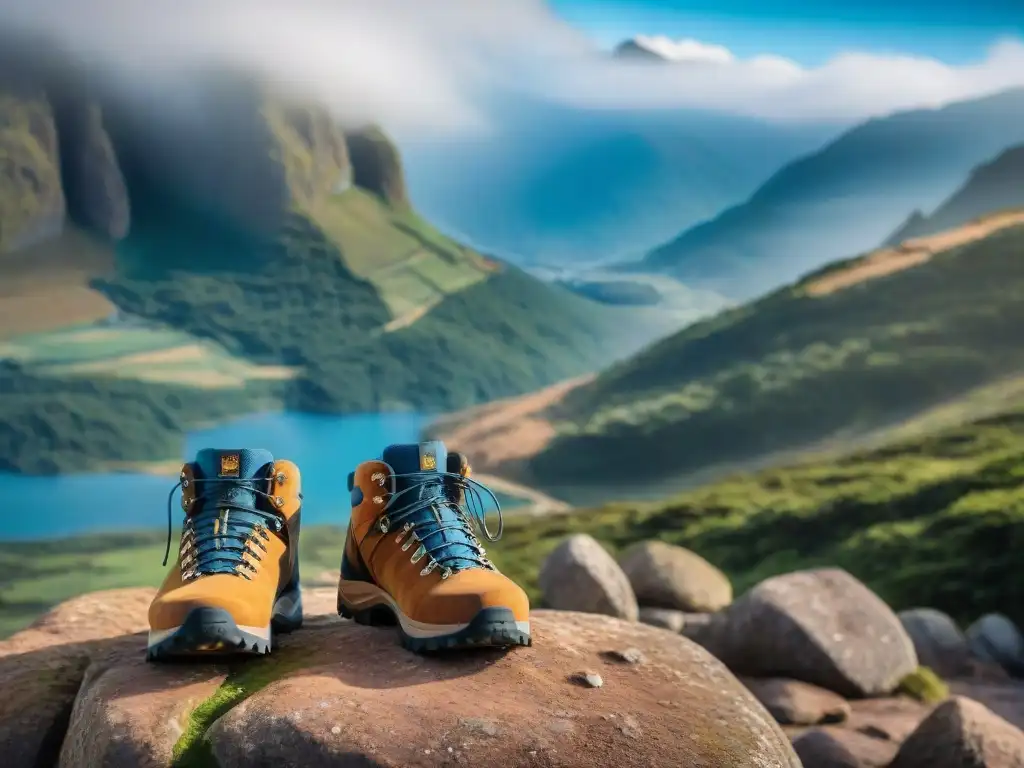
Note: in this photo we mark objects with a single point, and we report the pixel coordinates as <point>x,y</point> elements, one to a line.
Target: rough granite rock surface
<point>337,691</point>
<point>820,626</point>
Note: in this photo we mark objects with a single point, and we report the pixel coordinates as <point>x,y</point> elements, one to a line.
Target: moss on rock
<point>925,686</point>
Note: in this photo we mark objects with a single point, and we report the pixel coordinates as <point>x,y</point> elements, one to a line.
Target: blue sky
<point>808,31</point>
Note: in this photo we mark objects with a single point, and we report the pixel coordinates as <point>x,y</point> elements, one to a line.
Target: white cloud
<point>421,65</point>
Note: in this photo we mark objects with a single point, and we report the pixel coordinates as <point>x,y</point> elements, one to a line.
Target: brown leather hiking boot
<point>236,578</point>
<point>412,557</point>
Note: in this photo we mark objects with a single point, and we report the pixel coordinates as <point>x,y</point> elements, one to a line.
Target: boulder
<point>696,623</point>
<point>938,641</point>
<point>961,732</point>
<point>42,668</point>
<point>338,693</point>
<point>665,576</point>
<point>791,702</point>
<point>820,626</point>
<point>580,575</point>
<point>837,748</point>
<point>995,639</point>
<point>665,618</point>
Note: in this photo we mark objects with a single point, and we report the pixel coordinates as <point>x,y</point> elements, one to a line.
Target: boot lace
<point>212,540</point>
<point>464,520</point>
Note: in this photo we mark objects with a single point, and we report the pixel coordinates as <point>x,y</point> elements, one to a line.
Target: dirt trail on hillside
<point>911,253</point>
<point>46,286</point>
<point>504,431</point>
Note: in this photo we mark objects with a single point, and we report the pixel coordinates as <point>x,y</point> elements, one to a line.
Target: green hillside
<point>844,199</point>
<point>937,520</point>
<point>805,364</point>
<point>995,186</point>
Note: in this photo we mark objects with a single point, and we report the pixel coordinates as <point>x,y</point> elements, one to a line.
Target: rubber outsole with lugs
<point>490,628</point>
<point>212,632</point>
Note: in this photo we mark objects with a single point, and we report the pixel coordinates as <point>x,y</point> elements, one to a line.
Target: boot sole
<point>494,627</point>
<point>213,632</point>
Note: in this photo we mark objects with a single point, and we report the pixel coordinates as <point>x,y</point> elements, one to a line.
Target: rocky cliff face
<point>32,204</point>
<point>97,196</point>
<point>73,150</point>
<point>377,165</point>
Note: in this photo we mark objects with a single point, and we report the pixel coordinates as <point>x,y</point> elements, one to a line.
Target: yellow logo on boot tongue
<point>229,465</point>
<point>428,460</point>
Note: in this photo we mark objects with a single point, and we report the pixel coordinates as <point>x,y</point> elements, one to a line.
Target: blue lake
<point>326,449</point>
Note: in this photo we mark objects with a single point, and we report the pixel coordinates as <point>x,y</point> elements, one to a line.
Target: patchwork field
<point>139,353</point>
<point>410,263</point>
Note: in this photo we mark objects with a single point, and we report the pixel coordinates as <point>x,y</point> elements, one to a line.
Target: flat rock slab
<point>838,748</point>
<point>791,702</point>
<point>339,693</point>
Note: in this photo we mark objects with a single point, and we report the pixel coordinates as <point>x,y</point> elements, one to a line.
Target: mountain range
<point>854,347</point>
<point>994,186</point>
<point>551,184</point>
<point>842,200</point>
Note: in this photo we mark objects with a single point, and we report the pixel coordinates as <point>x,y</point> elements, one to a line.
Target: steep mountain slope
<point>556,185</point>
<point>225,248</point>
<point>995,186</point>
<point>852,348</point>
<point>844,199</point>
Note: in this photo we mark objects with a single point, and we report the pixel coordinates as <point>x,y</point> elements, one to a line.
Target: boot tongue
<point>430,457</point>
<point>427,462</point>
<point>233,473</point>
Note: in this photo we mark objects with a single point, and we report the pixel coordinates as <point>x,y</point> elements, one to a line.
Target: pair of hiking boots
<point>412,556</point>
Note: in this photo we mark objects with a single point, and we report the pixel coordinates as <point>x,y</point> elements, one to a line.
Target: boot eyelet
<point>378,499</point>
<point>446,573</point>
<point>384,525</point>
<point>278,525</point>
<point>278,502</point>
<point>280,478</point>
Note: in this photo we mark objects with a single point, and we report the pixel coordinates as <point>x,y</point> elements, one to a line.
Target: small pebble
<point>336,730</point>
<point>591,679</point>
<point>629,656</point>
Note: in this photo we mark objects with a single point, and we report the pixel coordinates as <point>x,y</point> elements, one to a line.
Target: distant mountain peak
<point>634,50</point>
<point>659,48</point>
